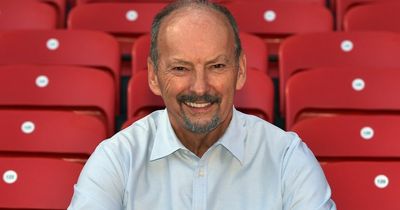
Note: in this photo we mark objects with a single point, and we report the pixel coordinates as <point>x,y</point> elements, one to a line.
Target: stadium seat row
<point>272,20</point>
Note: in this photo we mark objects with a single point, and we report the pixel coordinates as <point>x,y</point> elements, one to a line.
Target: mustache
<point>192,98</point>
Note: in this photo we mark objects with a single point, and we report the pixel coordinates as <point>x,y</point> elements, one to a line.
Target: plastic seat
<point>350,136</point>
<point>275,20</point>
<point>50,132</point>
<point>61,7</point>
<point>140,53</point>
<point>32,15</point>
<point>336,49</point>
<point>325,92</point>
<point>378,16</point>
<point>369,185</point>
<point>62,47</point>
<point>256,52</point>
<point>37,183</point>
<point>141,101</point>
<point>343,6</point>
<point>126,21</point>
<point>257,95</point>
<point>76,89</point>
<point>254,48</point>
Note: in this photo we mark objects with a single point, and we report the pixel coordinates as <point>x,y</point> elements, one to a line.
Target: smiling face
<point>197,70</point>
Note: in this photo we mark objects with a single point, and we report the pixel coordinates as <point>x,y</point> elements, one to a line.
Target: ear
<point>241,79</point>
<point>152,78</point>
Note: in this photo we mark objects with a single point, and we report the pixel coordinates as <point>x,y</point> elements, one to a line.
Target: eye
<point>218,66</point>
<point>179,68</point>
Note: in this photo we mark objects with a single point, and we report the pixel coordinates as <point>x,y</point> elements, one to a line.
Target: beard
<point>199,128</point>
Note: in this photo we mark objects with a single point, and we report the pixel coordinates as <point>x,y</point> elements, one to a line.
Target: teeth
<point>197,105</point>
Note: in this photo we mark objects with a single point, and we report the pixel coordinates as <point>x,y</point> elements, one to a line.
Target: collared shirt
<point>253,166</point>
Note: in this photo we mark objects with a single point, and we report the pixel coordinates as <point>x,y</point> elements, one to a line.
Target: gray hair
<point>187,3</point>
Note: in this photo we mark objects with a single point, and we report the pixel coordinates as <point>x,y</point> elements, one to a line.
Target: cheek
<point>225,86</point>
<point>171,87</point>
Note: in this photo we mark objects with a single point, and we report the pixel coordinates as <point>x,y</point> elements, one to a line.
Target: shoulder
<point>262,132</point>
<point>134,141</point>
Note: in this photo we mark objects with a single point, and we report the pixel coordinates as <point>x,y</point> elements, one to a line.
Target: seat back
<point>33,14</point>
<point>141,101</point>
<point>374,16</point>
<point>50,132</point>
<point>275,20</point>
<point>60,47</point>
<point>343,6</point>
<point>357,50</point>
<point>366,185</point>
<point>257,95</point>
<point>63,47</point>
<point>327,91</point>
<point>37,183</point>
<point>350,136</point>
<point>126,21</point>
<point>59,87</point>
<point>61,8</point>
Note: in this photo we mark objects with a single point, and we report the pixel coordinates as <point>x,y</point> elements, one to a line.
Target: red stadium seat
<point>257,95</point>
<point>346,115</point>
<point>77,89</point>
<point>256,52</point>
<point>343,6</point>
<point>37,183</point>
<point>324,92</point>
<point>32,15</point>
<point>369,185</point>
<point>61,8</point>
<point>140,53</point>
<point>374,16</point>
<point>59,133</point>
<point>350,136</point>
<point>254,48</point>
<point>141,101</point>
<point>276,20</point>
<point>62,47</point>
<point>126,21</point>
<point>337,49</point>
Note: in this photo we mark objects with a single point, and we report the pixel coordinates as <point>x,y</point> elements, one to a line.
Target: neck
<point>199,143</point>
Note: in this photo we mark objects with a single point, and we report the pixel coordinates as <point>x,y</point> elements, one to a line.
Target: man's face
<point>197,73</point>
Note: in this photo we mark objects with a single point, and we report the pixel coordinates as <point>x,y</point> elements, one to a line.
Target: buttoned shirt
<point>253,166</point>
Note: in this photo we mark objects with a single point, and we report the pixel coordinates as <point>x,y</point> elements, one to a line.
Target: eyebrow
<point>218,58</point>
<point>178,61</point>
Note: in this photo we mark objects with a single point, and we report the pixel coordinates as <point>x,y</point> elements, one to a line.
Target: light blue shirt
<point>253,166</point>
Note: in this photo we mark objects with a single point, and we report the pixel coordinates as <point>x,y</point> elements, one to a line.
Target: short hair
<point>155,28</point>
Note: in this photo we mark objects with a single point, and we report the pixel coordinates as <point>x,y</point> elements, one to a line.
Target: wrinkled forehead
<point>194,27</point>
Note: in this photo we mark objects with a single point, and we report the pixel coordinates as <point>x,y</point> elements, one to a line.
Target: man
<point>200,153</point>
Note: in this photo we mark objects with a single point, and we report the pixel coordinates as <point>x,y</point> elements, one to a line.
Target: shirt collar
<point>166,142</point>
<point>234,138</point>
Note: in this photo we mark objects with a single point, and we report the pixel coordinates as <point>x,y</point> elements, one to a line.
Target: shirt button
<point>201,172</point>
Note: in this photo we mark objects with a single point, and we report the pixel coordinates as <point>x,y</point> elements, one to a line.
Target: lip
<point>198,108</point>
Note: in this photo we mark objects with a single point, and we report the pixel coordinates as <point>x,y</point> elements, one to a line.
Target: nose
<point>200,83</point>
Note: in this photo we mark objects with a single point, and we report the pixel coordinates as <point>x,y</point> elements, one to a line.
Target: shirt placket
<point>200,186</point>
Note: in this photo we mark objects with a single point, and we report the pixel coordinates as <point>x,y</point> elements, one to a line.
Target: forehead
<point>195,31</point>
